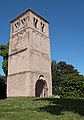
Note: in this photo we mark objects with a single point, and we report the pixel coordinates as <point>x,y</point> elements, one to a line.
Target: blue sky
<point>66,19</point>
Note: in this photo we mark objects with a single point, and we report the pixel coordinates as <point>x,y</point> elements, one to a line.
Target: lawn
<point>41,109</point>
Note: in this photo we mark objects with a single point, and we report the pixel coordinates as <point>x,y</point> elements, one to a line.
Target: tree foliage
<point>65,69</point>
<point>4,54</point>
<point>64,80</point>
<point>56,78</point>
<point>2,78</point>
<point>73,86</point>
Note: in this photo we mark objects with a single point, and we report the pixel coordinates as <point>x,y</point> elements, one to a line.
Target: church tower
<point>29,65</point>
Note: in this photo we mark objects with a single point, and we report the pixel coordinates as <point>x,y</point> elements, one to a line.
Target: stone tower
<point>29,65</point>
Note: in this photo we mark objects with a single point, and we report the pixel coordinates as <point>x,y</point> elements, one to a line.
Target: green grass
<point>41,109</point>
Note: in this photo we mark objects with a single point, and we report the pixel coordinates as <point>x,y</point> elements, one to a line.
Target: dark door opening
<point>41,88</point>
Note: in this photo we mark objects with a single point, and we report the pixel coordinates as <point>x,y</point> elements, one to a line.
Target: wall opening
<point>35,22</point>
<point>42,27</point>
<point>41,89</point>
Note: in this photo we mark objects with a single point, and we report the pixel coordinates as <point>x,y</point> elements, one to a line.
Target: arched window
<point>35,22</point>
<point>42,27</point>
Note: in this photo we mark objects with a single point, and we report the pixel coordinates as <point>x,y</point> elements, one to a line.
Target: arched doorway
<point>41,89</point>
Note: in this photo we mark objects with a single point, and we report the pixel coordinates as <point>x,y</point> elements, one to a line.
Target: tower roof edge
<point>26,12</point>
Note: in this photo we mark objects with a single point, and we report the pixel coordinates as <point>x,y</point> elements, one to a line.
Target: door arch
<point>41,89</point>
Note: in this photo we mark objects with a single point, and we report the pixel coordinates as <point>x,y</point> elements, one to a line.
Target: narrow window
<point>16,24</point>
<point>42,27</point>
<point>35,22</point>
<point>23,20</point>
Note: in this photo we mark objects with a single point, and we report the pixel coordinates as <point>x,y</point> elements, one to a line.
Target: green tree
<point>73,86</point>
<point>56,79</point>
<point>4,54</point>
<point>65,69</point>
<point>59,71</point>
<point>2,78</point>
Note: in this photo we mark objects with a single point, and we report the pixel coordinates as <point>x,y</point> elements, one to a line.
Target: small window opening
<point>35,22</point>
<point>23,20</point>
<point>42,27</point>
<point>16,24</point>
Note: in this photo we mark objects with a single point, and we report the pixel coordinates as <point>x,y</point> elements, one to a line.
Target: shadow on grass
<point>58,106</point>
